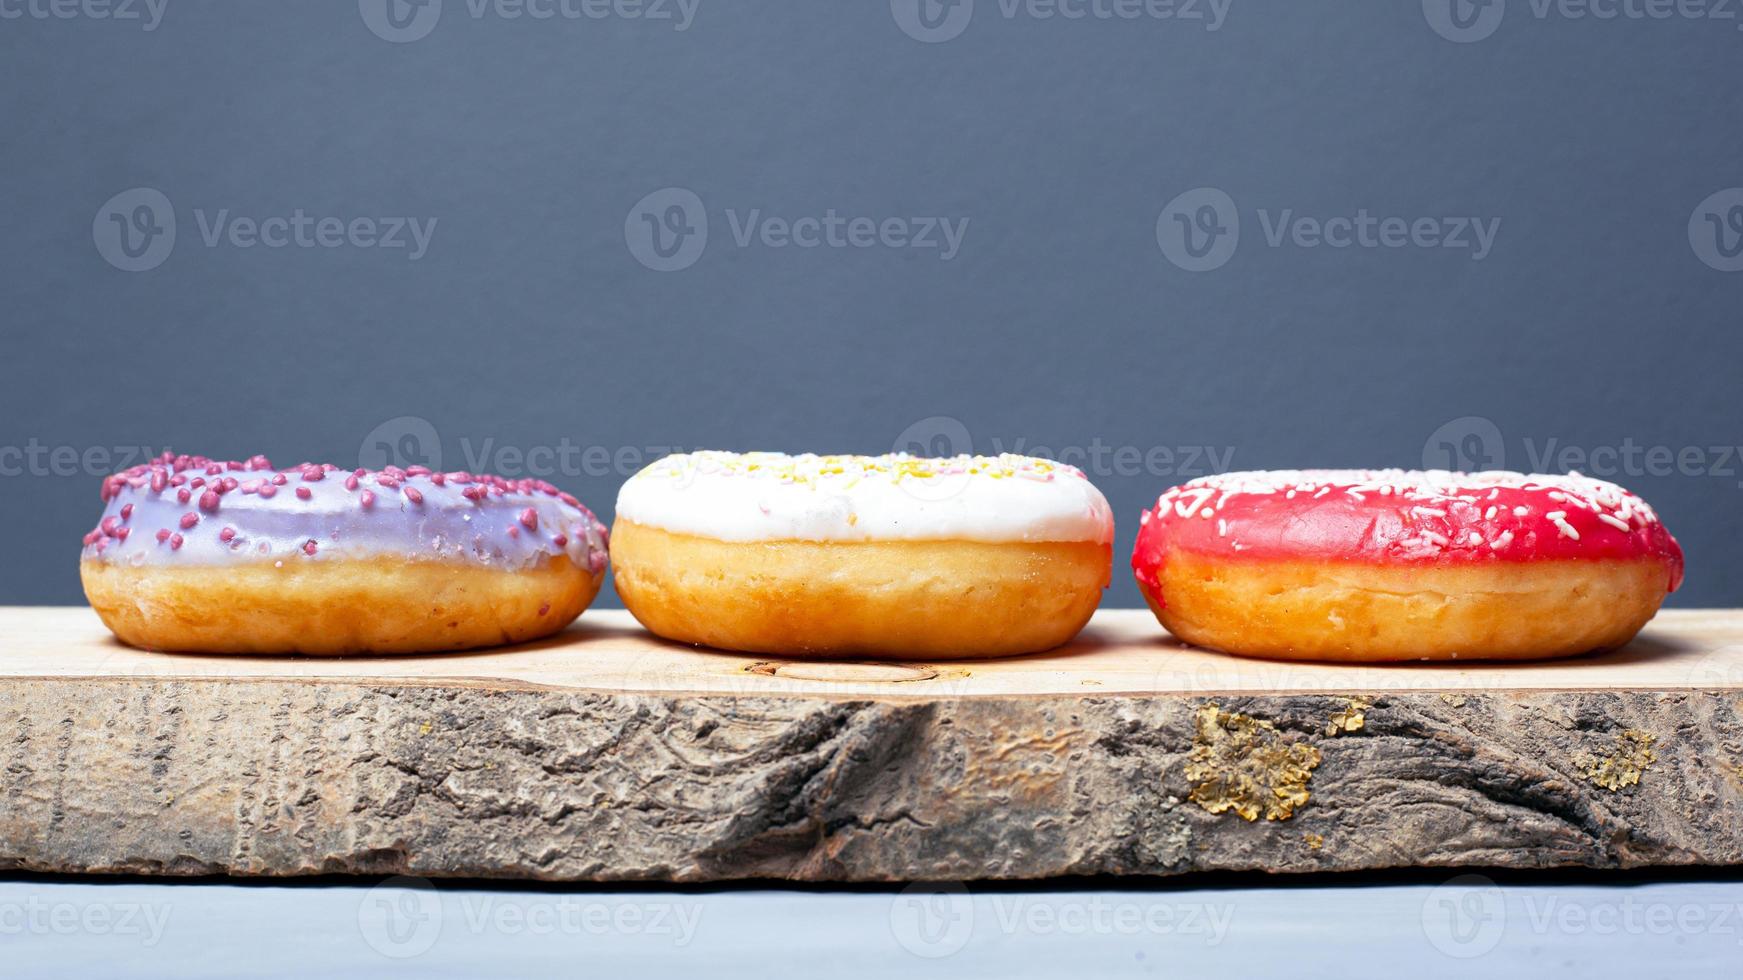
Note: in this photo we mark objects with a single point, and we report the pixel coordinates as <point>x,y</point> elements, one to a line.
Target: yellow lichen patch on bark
<point>1625,762</point>
<point>1350,719</point>
<point>1244,764</point>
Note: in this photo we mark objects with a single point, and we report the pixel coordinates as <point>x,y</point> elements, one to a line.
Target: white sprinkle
<point>1502,540</point>
<point>1521,511</point>
<point>1431,511</point>
<point>1489,514</point>
<point>1559,518</point>
<point>1476,538</point>
<point>1615,522</point>
<point>1222,528</point>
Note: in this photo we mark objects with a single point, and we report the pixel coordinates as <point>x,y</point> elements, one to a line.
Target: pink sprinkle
<point>513,532</point>
<point>253,486</point>
<point>414,495</point>
<point>183,494</point>
<point>368,499</point>
<point>351,482</point>
<point>228,534</point>
<point>189,520</point>
<point>227,484</point>
<point>544,607</point>
<point>529,519</point>
<point>303,493</point>
<point>175,542</point>
<point>279,479</point>
<point>269,491</point>
<point>209,500</point>
<point>122,533</point>
<point>473,493</point>
<point>561,541</point>
<point>158,480</point>
<point>439,479</point>
<point>198,482</point>
<point>309,547</point>
<point>162,535</point>
<point>126,511</point>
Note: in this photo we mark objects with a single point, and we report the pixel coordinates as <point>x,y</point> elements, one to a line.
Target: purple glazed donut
<point>198,555</point>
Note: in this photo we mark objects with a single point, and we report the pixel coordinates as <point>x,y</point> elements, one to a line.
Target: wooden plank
<point>606,754</point>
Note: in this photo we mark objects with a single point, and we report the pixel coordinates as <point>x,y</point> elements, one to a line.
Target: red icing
<point>1399,517</point>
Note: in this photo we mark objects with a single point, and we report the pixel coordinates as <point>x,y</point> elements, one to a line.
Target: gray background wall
<point>535,332</point>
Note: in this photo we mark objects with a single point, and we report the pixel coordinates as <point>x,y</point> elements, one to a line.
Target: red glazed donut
<point>1396,565</point>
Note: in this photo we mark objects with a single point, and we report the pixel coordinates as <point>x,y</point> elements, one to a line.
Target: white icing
<point>777,497</point>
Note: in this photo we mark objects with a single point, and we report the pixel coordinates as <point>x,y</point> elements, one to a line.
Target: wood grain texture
<point>605,755</point>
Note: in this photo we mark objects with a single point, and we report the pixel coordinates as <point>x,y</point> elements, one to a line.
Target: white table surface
<point>1435,927</point>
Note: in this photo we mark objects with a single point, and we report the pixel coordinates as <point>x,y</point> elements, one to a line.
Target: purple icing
<point>189,510</point>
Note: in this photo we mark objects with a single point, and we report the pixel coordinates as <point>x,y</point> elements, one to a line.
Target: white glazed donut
<point>890,556</point>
